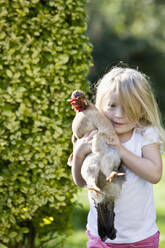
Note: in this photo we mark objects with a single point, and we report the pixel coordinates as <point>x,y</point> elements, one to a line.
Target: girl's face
<point>113,110</point>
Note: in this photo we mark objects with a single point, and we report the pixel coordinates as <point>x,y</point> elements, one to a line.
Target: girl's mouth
<point>117,124</point>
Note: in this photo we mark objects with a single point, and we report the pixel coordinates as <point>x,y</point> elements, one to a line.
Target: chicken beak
<point>71,100</point>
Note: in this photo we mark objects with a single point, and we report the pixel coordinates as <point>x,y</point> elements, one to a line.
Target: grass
<point>79,219</point>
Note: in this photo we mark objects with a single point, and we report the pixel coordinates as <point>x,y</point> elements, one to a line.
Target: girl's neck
<point>125,136</point>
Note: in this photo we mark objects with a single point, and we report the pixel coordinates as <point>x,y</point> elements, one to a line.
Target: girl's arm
<point>81,149</point>
<point>149,166</point>
<point>79,154</point>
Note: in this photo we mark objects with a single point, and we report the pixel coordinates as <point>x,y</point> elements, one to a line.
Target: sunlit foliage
<point>44,56</point>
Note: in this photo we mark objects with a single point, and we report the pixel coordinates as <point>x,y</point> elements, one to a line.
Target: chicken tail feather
<point>105,220</point>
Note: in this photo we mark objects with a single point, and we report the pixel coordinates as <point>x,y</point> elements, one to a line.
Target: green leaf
<point>12,235</point>
<point>63,59</point>
<point>9,73</point>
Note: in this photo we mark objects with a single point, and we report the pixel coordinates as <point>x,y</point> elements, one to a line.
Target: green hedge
<point>44,55</point>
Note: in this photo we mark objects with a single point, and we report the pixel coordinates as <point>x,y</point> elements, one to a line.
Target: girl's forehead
<point>113,97</point>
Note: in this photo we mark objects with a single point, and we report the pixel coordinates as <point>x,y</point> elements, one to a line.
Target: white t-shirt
<point>135,215</point>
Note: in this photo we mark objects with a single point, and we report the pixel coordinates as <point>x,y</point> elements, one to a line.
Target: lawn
<point>78,238</point>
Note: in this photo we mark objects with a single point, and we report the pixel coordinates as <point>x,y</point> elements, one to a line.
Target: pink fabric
<point>151,242</point>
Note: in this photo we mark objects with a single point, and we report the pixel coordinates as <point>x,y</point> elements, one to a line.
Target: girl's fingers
<point>86,135</point>
<point>110,141</point>
<point>91,134</point>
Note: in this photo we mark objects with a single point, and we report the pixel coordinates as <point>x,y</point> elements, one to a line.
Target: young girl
<point>125,98</point>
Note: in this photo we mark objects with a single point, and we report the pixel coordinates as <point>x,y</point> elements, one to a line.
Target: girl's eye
<point>113,105</point>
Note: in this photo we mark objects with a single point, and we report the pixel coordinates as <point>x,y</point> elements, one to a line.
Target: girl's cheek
<point>108,114</point>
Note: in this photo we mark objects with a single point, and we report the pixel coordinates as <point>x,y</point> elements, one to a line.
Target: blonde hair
<point>135,94</point>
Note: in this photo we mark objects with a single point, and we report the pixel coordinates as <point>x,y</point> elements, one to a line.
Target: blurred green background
<point>78,238</point>
<point>130,31</point>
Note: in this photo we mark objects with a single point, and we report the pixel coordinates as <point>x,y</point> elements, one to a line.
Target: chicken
<point>102,168</point>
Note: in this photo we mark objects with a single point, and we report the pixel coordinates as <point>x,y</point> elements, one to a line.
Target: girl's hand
<point>83,146</point>
<point>114,141</point>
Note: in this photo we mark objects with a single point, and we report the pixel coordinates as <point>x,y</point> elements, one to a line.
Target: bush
<point>44,56</point>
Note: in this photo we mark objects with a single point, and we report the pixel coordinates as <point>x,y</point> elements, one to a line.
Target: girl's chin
<point>118,127</point>
<point>118,131</point>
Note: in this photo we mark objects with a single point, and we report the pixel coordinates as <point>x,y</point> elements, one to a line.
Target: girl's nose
<point>119,112</point>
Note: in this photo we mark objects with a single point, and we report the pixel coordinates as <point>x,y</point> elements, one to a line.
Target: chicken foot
<point>95,188</point>
<point>114,174</point>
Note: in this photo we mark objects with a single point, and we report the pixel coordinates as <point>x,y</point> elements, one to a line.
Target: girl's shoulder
<point>149,134</point>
